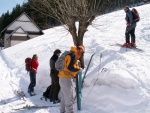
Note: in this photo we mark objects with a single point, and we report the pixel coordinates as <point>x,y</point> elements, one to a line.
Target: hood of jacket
<point>74,49</point>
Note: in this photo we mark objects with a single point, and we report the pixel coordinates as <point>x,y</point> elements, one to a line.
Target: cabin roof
<point>18,18</point>
<point>15,31</point>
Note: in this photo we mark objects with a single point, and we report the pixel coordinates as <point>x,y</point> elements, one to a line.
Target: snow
<point>116,82</point>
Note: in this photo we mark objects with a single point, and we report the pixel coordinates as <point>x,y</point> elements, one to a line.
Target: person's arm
<point>34,66</point>
<point>129,18</point>
<point>52,66</point>
<point>72,63</point>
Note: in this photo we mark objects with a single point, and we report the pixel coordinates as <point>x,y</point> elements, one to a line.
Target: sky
<point>117,82</point>
<point>8,5</point>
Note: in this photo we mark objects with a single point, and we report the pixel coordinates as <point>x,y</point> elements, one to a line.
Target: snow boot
<point>132,44</point>
<point>56,101</point>
<point>126,45</point>
<point>32,93</point>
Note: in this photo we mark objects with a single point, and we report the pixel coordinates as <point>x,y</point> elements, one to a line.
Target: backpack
<point>59,65</point>
<point>46,94</point>
<point>28,64</point>
<point>136,17</point>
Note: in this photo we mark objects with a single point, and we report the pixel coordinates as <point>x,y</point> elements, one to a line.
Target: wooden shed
<point>21,29</point>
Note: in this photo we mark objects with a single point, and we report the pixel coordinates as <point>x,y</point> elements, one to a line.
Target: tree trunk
<point>72,30</point>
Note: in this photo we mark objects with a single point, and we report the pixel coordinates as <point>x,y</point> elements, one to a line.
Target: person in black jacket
<point>55,87</point>
<point>130,28</point>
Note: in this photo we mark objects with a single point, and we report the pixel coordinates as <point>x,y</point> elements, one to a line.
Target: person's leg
<point>29,87</point>
<point>62,103</point>
<point>52,88</point>
<point>132,35</point>
<point>67,90</point>
<point>127,37</point>
<point>33,82</point>
<point>56,88</point>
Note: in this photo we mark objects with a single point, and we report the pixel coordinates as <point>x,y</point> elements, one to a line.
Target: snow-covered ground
<point>119,82</point>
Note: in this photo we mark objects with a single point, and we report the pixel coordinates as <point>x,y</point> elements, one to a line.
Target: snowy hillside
<point>118,82</point>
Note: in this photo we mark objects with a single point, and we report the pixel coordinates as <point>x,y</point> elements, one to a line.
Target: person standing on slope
<point>130,28</point>
<point>32,73</point>
<point>71,68</point>
<point>55,87</point>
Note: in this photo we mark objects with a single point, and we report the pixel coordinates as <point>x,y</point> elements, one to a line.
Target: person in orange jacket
<point>32,73</point>
<point>71,68</point>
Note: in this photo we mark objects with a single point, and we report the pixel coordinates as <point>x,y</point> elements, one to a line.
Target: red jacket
<point>34,65</point>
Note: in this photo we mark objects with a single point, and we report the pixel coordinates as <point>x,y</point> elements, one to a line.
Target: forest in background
<point>45,22</point>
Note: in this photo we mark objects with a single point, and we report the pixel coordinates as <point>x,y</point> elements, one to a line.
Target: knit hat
<point>81,48</point>
<point>57,51</point>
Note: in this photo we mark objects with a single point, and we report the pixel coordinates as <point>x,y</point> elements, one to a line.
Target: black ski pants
<point>55,87</point>
<point>132,33</point>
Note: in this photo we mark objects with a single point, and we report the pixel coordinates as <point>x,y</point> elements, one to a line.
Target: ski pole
<point>87,69</point>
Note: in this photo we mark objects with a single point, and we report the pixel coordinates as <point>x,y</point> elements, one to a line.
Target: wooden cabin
<point>21,29</point>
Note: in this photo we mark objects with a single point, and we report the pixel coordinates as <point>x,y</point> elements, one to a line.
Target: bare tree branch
<point>67,12</point>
